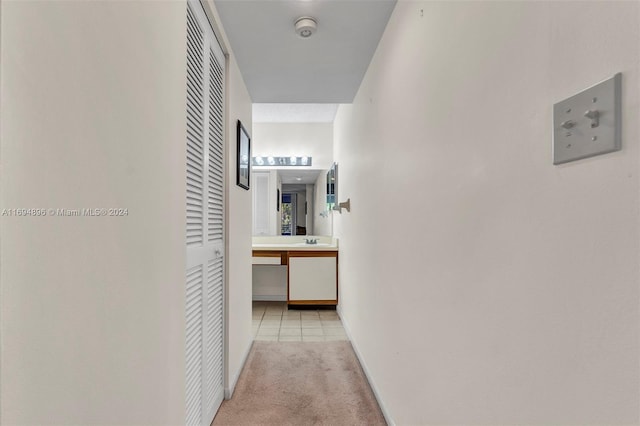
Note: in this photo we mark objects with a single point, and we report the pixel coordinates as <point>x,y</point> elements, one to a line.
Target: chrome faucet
<point>311,240</point>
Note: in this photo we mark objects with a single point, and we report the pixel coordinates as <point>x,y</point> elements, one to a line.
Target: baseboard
<point>269,298</point>
<point>363,364</point>
<point>228,391</point>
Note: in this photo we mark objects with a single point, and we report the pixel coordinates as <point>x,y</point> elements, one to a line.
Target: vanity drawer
<point>266,257</point>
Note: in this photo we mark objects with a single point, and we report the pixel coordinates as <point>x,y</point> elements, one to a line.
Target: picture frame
<point>243,170</point>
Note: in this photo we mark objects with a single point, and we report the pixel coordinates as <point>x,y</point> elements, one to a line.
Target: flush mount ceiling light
<point>306,26</point>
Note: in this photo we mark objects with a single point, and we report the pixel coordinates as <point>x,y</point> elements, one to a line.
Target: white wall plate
<point>588,124</point>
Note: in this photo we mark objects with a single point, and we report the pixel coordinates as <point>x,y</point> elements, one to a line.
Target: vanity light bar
<point>281,161</point>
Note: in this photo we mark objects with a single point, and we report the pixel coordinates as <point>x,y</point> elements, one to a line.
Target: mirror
<point>290,202</point>
<point>332,187</point>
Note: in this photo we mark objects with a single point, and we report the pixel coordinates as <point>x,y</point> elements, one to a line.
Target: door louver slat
<point>214,323</point>
<point>194,344</point>
<point>216,168</point>
<point>195,126</point>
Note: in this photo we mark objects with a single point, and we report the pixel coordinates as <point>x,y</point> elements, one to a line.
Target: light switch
<point>588,124</point>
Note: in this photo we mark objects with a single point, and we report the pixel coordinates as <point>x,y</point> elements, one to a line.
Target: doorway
<point>294,209</point>
<point>288,213</point>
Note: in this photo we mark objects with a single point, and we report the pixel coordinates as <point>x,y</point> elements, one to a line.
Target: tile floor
<point>272,321</point>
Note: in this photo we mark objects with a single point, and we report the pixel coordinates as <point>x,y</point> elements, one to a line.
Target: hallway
<point>480,281</point>
<point>301,384</point>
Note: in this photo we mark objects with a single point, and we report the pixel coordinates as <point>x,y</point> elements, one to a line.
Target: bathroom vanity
<point>305,274</point>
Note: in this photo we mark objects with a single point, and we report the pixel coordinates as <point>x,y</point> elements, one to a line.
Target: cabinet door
<point>312,278</point>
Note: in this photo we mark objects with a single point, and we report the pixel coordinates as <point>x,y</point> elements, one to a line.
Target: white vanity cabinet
<point>313,278</point>
<point>292,269</point>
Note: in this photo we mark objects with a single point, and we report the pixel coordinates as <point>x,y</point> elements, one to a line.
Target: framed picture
<point>244,157</point>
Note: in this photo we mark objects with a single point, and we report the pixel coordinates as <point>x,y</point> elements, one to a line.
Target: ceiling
<point>278,66</point>
<point>294,113</point>
<point>290,176</point>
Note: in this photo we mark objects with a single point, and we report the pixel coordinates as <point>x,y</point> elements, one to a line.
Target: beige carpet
<point>308,383</point>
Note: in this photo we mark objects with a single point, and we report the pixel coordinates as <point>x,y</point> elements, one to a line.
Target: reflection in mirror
<point>293,211</point>
<point>302,202</point>
<point>298,188</point>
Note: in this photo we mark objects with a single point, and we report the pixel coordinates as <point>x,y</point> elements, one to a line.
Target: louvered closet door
<point>205,220</point>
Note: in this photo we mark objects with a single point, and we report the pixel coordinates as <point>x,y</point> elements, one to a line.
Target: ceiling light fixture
<point>306,26</point>
<point>281,161</point>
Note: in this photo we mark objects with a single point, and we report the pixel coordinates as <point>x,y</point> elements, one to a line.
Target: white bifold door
<point>205,220</point>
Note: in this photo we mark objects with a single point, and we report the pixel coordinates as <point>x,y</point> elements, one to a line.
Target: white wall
<point>288,139</point>
<point>509,286</point>
<point>93,115</point>
<point>239,223</point>
<point>269,282</point>
<point>267,219</point>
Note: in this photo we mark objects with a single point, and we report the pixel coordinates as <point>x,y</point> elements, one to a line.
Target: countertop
<point>295,247</point>
<point>296,243</point>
